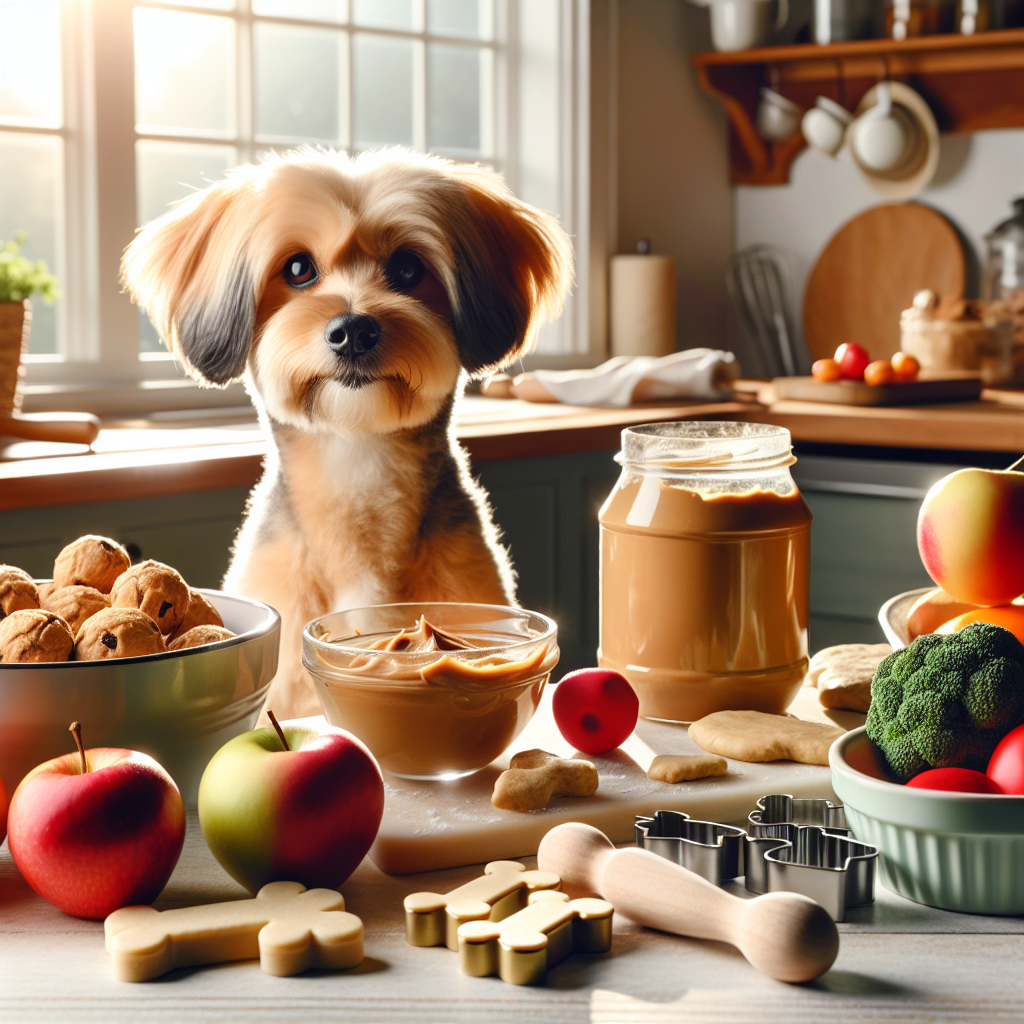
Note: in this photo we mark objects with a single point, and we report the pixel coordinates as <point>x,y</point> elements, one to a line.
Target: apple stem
<point>280,731</point>
<point>1015,465</point>
<point>75,728</point>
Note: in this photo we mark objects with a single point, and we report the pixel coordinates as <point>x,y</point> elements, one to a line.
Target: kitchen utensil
<point>880,135</point>
<point>959,388</point>
<point>742,24</point>
<point>785,936</point>
<point>777,118</point>
<point>825,124</point>
<point>180,707</point>
<point>955,851</point>
<point>757,282</point>
<point>62,427</point>
<point>711,850</point>
<point>785,809</point>
<point>893,615</point>
<point>868,273</point>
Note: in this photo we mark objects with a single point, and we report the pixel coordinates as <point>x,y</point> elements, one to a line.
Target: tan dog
<point>353,295</point>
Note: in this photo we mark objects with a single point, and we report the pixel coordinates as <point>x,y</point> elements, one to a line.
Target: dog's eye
<point>404,271</point>
<point>300,270</point>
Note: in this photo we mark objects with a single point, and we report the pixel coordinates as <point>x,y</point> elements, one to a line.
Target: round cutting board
<point>869,272</point>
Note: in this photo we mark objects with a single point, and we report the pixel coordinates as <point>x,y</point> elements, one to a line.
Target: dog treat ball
<point>595,709</point>
<point>91,561</point>
<point>17,591</point>
<point>200,613</point>
<point>34,634</point>
<point>74,604</point>
<point>197,636</point>
<point>156,589</point>
<point>118,633</point>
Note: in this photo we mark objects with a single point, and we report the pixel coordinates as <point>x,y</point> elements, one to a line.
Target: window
<point>112,110</point>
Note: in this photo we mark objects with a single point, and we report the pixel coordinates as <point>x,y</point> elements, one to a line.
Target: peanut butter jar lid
<point>689,446</point>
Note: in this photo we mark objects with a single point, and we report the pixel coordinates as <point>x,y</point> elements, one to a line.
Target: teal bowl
<point>955,851</point>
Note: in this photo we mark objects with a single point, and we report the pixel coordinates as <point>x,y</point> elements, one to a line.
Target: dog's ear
<point>513,267</point>
<point>190,271</point>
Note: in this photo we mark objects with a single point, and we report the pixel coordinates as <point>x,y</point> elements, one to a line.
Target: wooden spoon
<point>783,934</point>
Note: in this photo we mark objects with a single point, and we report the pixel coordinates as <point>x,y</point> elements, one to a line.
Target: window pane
<point>296,81</point>
<point>386,13</point>
<point>383,83</point>
<point>454,95</point>
<point>469,18</point>
<point>30,201</point>
<point>30,79</point>
<point>214,5</point>
<point>304,10</point>
<point>166,172</point>
<point>184,68</point>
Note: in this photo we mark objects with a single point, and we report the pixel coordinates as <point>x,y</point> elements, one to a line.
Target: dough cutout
<point>756,736</point>
<point>686,767</point>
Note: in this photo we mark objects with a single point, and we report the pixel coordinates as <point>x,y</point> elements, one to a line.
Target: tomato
<point>879,372</point>
<point>955,780</point>
<point>826,370</point>
<point>595,709</point>
<point>853,360</point>
<point>1006,766</point>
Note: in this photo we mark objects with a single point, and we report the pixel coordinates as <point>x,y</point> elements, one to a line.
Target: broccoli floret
<point>946,701</point>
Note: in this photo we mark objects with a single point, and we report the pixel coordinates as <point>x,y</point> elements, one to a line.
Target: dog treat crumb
<point>74,604</point>
<point>534,777</point>
<point>156,589</point>
<point>756,736</point>
<point>118,633</point>
<point>686,767</point>
<point>91,561</point>
<point>200,612</point>
<point>17,591</point>
<point>34,634</point>
<point>197,636</point>
<point>843,674</point>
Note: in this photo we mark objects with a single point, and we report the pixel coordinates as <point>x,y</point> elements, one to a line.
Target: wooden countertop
<point>147,459</point>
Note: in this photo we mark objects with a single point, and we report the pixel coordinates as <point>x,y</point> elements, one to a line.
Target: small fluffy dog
<point>353,296</point>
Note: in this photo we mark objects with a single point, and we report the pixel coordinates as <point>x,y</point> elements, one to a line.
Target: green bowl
<point>955,851</point>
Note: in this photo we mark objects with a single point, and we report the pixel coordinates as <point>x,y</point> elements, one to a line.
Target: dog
<point>354,296</point>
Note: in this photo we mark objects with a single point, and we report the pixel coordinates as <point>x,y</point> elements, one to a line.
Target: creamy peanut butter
<point>704,596</point>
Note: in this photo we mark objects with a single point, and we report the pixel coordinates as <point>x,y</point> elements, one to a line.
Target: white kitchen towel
<point>696,373</point>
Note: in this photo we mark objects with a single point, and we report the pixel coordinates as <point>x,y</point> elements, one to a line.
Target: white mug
<point>824,125</point>
<point>777,117</point>
<point>880,136</point>
<point>743,24</point>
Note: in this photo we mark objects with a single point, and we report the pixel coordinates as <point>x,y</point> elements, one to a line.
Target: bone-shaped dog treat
<point>522,948</point>
<point>535,776</point>
<point>784,935</point>
<point>502,890</point>
<point>289,928</point>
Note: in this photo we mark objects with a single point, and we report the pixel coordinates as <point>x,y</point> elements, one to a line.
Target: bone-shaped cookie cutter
<point>524,947</point>
<point>781,809</point>
<point>502,890</point>
<point>289,928</point>
<point>713,851</point>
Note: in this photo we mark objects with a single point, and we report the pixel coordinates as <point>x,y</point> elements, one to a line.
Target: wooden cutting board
<point>430,825</point>
<point>869,272</point>
<point>856,392</point>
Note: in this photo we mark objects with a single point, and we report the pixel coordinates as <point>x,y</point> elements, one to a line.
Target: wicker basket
<point>15,325</point>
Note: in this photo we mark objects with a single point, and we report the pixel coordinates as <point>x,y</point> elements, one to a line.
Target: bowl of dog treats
<point>435,690</point>
<point>133,653</point>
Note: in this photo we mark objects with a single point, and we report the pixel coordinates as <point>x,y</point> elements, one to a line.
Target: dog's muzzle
<point>352,335</point>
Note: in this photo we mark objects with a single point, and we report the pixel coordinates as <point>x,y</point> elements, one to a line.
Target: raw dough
<point>74,604</point>
<point>200,612</point>
<point>118,633</point>
<point>156,589</point>
<point>843,674</point>
<point>32,634</point>
<point>17,591</point>
<point>534,777</point>
<point>199,636</point>
<point>686,767</point>
<point>755,736</point>
<point>90,561</point>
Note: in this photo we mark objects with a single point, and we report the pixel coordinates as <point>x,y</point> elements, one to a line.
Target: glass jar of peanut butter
<point>705,544</point>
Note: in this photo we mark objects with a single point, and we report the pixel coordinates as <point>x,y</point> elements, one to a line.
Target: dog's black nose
<point>352,334</point>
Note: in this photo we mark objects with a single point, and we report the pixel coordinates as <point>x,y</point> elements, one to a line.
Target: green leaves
<point>20,277</point>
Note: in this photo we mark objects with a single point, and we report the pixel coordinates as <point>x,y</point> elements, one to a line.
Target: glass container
<point>1004,263</point>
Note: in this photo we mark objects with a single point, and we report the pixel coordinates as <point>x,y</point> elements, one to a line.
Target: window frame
<point>99,367</point>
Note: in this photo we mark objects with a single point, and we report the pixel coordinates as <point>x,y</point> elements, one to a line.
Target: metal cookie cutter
<point>781,809</point>
<point>711,850</point>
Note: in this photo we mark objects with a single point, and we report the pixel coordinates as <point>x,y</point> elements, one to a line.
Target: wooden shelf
<point>971,83</point>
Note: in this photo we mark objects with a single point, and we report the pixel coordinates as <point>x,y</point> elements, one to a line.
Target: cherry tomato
<point>1006,766</point>
<point>595,709</point>
<point>826,370</point>
<point>905,366</point>
<point>853,360</point>
<point>879,372</point>
<point>955,780</point>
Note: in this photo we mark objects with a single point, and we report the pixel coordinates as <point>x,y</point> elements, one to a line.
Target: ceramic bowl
<point>179,707</point>
<point>892,616</point>
<point>435,725</point>
<point>955,851</point>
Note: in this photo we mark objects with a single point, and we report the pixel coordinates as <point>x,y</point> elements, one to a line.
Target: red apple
<point>3,811</point>
<point>300,803</point>
<point>955,780</point>
<point>97,830</point>
<point>853,360</point>
<point>595,709</point>
<point>970,533</point>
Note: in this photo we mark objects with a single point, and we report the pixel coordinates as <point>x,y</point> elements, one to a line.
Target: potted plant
<point>20,278</point>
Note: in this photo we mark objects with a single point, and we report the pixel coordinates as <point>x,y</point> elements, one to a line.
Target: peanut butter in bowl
<point>436,690</point>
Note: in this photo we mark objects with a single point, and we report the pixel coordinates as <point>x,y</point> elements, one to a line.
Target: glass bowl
<point>438,713</point>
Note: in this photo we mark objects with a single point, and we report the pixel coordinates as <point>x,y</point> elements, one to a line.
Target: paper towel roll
<point>643,305</point>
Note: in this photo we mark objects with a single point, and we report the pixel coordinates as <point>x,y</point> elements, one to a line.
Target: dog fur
<point>366,497</point>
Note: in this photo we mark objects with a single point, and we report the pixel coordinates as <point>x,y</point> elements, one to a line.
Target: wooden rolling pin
<point>784,935</point>
<point>64,427</point>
